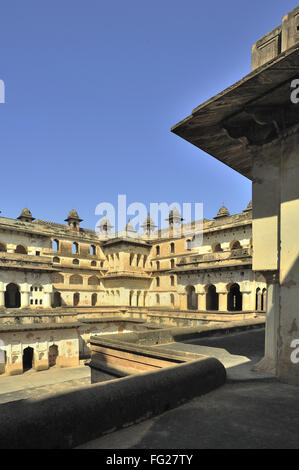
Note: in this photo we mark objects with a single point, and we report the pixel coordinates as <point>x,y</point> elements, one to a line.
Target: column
<point>47,299</point>
<point>222,301</point>
<point>24,298</point>
<point>201,301</point>
<point>2,297</point>
<point>269,362</point>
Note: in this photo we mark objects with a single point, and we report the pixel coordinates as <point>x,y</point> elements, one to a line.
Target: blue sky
<point>93,88</point>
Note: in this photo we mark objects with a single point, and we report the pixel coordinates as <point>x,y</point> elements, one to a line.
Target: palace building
<point>60,283</point>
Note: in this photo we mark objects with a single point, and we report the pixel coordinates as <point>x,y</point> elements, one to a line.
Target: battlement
<point>280,39</point>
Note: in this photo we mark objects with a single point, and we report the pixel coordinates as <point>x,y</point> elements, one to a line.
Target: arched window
<point>212,298</point>
<point>57,301</point>
<point>172,248</point>
<point>192,300</point>
<point>138,260</point>
<point>235,245</point>
<point>56,259</point>
<point>12,296</point>
<point>76,261</point>
<point>92,250</point>
<point>216,247</point>
<point>55,245</point>
<point>93,281</point>
<point>93,263</point>
<point>57,278</point>
<point>172,264</point>
<point>234,299</point>
<point>158,264</point>
<point>157,250</point>
<point>171,299</point>
<point>28,358</point>
<point>131,258</point>
<point>75,248</point>
<point>76,279</point>
<point>188,244</point>
<point>21,250</point>
<point>172,280</point>
<point>157,281</point>
<point>157,299</point>
<point>144,260</point>
<point>53,355</point>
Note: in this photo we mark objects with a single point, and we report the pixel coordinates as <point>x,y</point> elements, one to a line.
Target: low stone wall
<point>70,419</point>
<point>120,357</point>
<point>132,353</point>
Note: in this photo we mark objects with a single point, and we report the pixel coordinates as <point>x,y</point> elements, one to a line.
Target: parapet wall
<point>276,41</point>
<point>133,353</point>
<point>70,419</point>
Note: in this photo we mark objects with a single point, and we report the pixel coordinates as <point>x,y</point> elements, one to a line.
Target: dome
<point>105,224</point>
<point>26,214</point>
<point>129,227</point>
<point>223,212</point>
<point>73,215</point>
<point>174,215</point>
<point>148,222</point>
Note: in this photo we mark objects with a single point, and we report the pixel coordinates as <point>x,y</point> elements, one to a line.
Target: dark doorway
<point>21,250</point>
<point>234,299</point>
<point>191,298</point>
<point>264,300</point>
<point>76,299</point>
<point>258,299</point>
<point>212,298</point>
<point>57,299</point>
<point>94,299</point>
<point>28,358</point>
<point>53,354</point>
<point>12,296</point>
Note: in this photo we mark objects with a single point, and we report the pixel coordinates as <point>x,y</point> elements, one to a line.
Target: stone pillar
<point>47,299</point>
<point>2,297</point>
<point>247,301</point>
<point>222,301</point>
<point>183,301</point>
<point>24,298</point>
<point>269,362</point>
<point>275,242</point>
<point>134,299</point>
<point>201,297</point>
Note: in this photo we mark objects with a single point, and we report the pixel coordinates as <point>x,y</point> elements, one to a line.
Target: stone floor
<point>251,411</point>
<point>238,352</point>
<point>38,384</point>
<point>249,415</point>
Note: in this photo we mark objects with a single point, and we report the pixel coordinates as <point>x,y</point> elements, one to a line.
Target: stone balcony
<point>25,262</point>
<point>225,258</point>
<point>113,273</point>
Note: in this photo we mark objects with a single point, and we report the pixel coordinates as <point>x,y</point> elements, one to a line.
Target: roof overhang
<point>250,112</point>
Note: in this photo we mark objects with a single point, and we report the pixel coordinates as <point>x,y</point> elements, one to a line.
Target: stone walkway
<point>238,352</point>
<point>34,384</point>
<point>251,411</point>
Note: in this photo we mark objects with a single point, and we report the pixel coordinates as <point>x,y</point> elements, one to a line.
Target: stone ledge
<point>73,418</point>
